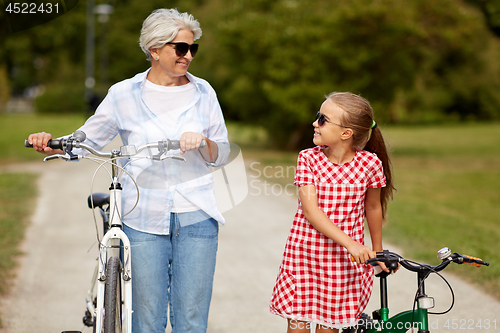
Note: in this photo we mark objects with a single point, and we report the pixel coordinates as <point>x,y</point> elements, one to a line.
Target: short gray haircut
<point>161,27</point>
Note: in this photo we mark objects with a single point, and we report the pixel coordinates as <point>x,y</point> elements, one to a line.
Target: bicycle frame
<point>403,321</point>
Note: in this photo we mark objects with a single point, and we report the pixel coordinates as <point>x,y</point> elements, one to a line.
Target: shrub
<point>60,98</point>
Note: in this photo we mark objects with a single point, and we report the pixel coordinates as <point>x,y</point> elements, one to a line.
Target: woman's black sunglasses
<point>181,48</point>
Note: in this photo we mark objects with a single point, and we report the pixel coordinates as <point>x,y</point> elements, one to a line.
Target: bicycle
<point>418,317</point>
<point>109,300</point>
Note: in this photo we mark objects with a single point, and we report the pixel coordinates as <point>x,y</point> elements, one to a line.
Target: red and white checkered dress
<point>317,282</point>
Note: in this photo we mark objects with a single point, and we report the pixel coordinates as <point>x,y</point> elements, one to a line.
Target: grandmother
<point>174,229</point>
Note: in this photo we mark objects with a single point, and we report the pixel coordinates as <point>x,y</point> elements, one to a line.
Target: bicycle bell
<point>444,253</point>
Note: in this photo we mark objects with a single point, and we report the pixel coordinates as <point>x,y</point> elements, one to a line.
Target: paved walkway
<point>55,271</point>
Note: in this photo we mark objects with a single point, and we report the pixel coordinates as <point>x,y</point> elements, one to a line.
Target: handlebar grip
<point>353,260</point>
<point>54,144</point>
<point>473,261</point>
<point>176,144</point>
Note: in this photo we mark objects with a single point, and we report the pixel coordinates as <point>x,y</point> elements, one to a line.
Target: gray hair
<point>161,27</point>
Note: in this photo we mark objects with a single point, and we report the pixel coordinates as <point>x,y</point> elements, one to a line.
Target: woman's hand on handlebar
<point>39,142</point>
<point>190,141</point>
<point>193,141</point>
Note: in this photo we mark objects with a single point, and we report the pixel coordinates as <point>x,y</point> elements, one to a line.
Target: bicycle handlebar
<point>78,136</point>
<point>468,260</point>
<point>392,260</point>
<point>54,144</point>
<point>76,141</point>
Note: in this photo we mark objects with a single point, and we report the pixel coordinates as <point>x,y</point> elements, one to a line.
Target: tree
<point>52,55</point>
<point>491,11</point>
<point>274,60</point>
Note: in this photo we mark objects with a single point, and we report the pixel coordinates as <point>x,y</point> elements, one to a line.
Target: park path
<point>54,273</point>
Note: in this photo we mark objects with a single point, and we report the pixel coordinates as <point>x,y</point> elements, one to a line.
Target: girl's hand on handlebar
<point>384,267</point>
<point>190,141</point>
<point>360,253</point>
<point>39,142</point>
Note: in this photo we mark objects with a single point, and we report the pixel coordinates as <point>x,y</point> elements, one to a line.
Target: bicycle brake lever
<point>179,158</point>
<point>56,156</point>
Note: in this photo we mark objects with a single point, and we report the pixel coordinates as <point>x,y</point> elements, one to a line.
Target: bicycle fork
<point>110,246</point>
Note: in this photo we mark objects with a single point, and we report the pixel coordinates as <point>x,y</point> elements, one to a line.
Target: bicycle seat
<point>99,200</point>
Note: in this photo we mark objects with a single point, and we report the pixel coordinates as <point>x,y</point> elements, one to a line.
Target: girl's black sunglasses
<point>181,48</point>
<point>322,120</point>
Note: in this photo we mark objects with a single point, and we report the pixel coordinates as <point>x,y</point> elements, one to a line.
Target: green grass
<point>448,182</point>
<point>17,194</point>
<point>14,129</point>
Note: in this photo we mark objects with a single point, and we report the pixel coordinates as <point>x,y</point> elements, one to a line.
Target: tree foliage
<point>491,11</point>
<point>414,60</point>
<point>272,61</point>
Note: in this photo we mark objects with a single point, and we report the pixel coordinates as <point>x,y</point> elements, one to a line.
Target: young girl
<point>342,180</point>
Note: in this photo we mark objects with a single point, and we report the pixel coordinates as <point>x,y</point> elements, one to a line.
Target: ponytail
<point>376,145</point>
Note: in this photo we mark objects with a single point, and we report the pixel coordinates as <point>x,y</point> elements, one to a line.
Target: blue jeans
<point>173,271</point>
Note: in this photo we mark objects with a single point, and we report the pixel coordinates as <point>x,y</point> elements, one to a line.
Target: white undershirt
<point>168,103</point>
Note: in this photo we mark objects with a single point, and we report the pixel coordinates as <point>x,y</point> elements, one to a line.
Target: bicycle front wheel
<point>113,297</point>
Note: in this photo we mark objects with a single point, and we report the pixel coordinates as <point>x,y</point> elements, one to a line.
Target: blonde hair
<point>358,116</point>
<point>161,27</point>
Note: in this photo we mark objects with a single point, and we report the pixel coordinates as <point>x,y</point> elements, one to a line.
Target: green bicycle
<point>417,319</point>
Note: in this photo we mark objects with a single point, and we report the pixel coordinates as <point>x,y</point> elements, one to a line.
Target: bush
<point>59,98</point>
